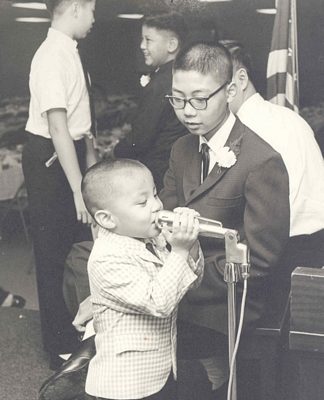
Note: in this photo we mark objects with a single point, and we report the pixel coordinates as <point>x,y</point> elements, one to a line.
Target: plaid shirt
<point>135,296</point>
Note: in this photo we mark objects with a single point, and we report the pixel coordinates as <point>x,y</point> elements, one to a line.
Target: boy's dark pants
<point>54,229</point>
<point>168,392</point>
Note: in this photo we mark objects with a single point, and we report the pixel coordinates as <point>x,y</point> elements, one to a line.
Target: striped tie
<point>205,160</point>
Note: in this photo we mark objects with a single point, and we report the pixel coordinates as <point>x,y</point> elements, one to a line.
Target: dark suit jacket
<point>155,127</point>
<point>251,197</point>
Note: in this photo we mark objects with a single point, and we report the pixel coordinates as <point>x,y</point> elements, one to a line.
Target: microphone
<point>207,227</point>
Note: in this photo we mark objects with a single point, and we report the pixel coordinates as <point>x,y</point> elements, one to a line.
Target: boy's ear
<point>173,44</point>
<point>105,219</point>
<point>242,78</point>
<point>231,91</point>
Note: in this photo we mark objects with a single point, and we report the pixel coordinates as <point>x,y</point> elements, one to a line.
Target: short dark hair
<point>206,58</point>
<point>54,5</point>
<point>98,186</point>
<point>173,22</point>
<point>240,57</point>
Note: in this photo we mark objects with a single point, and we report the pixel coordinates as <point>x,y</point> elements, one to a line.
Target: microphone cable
<point>238,337</point>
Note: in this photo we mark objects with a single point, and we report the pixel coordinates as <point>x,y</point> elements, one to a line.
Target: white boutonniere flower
<point>145,80</point>
<point>226,157</point>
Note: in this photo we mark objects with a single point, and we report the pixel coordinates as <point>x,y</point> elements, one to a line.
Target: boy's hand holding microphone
<point>184,233</point>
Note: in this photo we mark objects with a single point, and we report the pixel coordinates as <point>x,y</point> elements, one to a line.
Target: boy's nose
<point>158,204</point>
<point>142,45</point>
<point>189,110</point>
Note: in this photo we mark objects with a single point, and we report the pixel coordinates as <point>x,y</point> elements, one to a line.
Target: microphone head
<point>164,218</point>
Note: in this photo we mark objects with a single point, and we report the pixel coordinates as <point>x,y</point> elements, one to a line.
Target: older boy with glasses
<point>226,172</point>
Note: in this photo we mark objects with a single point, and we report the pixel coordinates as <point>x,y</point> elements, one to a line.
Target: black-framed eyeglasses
<point>198,103</point>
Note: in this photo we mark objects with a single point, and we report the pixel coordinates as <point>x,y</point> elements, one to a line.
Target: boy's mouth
<point>192,125</point>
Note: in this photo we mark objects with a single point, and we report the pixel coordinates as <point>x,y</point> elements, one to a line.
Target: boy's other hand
<point>83,315</point>
<point>184,231</point>
<point>81,211</point>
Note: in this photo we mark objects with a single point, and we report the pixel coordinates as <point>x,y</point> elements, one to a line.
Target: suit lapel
<point>192,169</point>
<point>216,173</point>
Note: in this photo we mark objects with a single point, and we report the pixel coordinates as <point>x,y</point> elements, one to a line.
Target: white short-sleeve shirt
<point>294,139</point>
<point>57,81</point>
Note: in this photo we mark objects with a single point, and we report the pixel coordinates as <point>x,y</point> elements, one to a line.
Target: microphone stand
<point>236,267</point>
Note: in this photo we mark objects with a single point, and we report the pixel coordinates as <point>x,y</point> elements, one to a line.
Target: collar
<point>62,38</point>
<point>158,242</point>
<point>116,238</point>
<point>164,67</point>
<point>137,246</point>
<point>220,137</point>
<point>253,100</point>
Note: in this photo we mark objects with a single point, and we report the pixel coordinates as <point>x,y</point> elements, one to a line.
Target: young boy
<point>226,172</point>
<point>155,127</point>
<point>58,150</point>
<point>134,291</point>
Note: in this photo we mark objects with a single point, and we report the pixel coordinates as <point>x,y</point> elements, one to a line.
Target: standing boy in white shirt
<point>59,148</point>
<point>135,292</point>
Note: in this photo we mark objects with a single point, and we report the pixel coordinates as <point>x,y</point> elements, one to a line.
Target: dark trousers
<point>301,251</point>
<point>168,392</point>
<point>54,229</point>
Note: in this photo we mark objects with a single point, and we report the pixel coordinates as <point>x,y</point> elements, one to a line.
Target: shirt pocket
<point>229,211</point>
<point>136,342</point>
<point>222,202</point>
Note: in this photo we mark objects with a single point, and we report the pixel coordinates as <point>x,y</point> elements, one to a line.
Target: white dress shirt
<point>57,81</point>
<point>292,137</point>
<point>218,140</point>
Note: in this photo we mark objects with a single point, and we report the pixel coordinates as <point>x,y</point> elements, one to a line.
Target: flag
<point>282,69</point>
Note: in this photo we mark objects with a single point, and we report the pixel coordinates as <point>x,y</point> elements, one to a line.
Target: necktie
<point>93,128</point>
<point>150,248</point>
<point>205,160</point>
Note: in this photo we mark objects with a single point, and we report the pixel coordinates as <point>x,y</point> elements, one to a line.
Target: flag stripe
<point>276,84</point>
<point>277,62</point>
<point>279,98</point>
<point>280,27</point>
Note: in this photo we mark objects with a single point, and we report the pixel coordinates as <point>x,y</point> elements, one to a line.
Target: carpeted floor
<point>23,364</point>
<point>17,271</point>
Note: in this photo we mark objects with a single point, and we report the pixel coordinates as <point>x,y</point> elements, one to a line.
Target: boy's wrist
<point>181,252</point>
<point>76,185</point>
